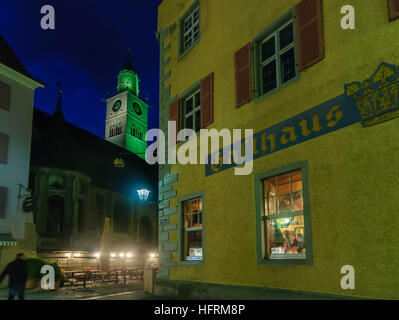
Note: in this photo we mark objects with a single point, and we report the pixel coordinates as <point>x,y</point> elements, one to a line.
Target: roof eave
<point>21,78</point>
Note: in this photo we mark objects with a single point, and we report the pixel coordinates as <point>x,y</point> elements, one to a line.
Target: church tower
<point>126,122</point>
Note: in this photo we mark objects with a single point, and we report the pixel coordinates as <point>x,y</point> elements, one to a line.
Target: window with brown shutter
<point>309,33</point>
<point>207,101</point>
<point>243,75</point>
<point>3,148</point>
<point>393,7</point>
<point>174,116</point>
<point>3,202</point>
<point>5,91</point>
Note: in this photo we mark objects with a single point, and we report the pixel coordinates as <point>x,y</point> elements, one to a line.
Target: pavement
<point>126,292</point>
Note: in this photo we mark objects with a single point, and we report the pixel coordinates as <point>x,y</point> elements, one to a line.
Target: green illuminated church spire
<point>128,79</point>
<point>126,122</point>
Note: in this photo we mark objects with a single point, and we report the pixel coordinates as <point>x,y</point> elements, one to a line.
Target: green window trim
<point>180,237</point>
<point>181,51</point>
<point>256,45</point>
<point>259,205</point>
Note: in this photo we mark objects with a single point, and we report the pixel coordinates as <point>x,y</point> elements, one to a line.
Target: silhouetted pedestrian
<point>17,272</point>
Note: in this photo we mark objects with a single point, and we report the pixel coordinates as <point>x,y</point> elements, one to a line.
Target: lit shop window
<point>283,218</point>
<point>192,220</point>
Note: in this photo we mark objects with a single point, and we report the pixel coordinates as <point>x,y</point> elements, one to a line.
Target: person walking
<point>17,272</point>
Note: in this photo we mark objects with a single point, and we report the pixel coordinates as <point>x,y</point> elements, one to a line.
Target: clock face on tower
<point>117,105</point>
<point>137,108</point>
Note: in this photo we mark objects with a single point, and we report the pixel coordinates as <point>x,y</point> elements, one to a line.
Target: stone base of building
<point>211,291</point>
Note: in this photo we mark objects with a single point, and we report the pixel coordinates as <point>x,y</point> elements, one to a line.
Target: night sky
<point>85,52</point>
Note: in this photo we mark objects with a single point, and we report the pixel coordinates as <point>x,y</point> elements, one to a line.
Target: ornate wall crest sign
<point>377,98</point>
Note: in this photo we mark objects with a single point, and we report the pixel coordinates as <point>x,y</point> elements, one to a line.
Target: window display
<point>283,216</point>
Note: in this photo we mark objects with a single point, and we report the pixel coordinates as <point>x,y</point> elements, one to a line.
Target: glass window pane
<point>197,121</point>
<point>196,15</point>
<point>200,204</point>
<point>269,77</point>
<point>297,201</point>
<point>269,187</point>
<point>194,205</point>
<point>197,219</point>
<point>286,36</point>
<point>285,238</point>
<point>196,32</point>
<point>268,49</point>
<point>189,105</point>
<point>189,122</point>
<point>283,184</point>
<point>288,65</point>
<point>198,99</point>
<point>270,206</point>
<point>284,203</point>
<point>296,181</point>
<point>193,245</point>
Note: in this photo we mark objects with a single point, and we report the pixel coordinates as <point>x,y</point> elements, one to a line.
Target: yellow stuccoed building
<point>317,216</point>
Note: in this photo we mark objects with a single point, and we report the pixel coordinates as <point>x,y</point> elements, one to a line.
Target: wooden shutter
<point>243,71</point>
<point>5,91</point>
<point>3,202</point>
<point>309,33</point>
<point>174,116</point>
<point>207,101</point>
<point>3,148</point>
<point>393,7</point>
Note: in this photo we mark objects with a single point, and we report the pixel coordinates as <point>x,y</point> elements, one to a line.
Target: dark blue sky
<point>85,52</point>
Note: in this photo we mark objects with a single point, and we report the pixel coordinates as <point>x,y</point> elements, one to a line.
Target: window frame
<point>191,91</point>
<point>190,11</point>
<point>193,111</point>
<point>180,225</point>
<point>257,65</point>
<point>261,235</point>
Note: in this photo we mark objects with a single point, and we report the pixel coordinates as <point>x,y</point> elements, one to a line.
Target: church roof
<point>61,145</point>
<point>11,60</point>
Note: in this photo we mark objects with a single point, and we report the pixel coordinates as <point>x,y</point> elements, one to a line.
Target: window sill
<point>184,53</point>
<point>191,262</point>
<point>275,90</point>
<point>286,262</point>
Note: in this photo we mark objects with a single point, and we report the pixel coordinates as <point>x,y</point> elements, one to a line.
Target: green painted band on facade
<point>373,101</point>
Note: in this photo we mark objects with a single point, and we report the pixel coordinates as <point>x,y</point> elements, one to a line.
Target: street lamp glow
<point>67,255</point>
<point>121,254</point>
<point>128,255</point>
<point>143,194</point>
<point>152,255</point>
<point>76,255</point>
<point>97,255</point>
<point>113,255</point>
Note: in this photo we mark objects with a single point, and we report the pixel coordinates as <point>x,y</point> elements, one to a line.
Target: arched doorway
<point>55,215</point>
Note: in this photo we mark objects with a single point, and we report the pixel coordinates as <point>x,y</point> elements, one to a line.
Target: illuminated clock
<point>137,108</point>
<point>117,105</point>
